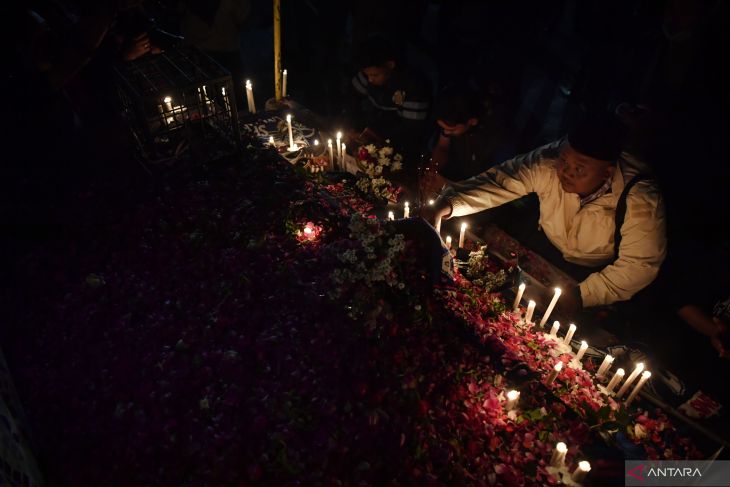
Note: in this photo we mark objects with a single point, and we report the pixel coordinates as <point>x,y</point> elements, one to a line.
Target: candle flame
<point>167,99</point>
<point>646,375</point>
<point>448,238</point>
<point>558,367</point>
<point>339,135</point>
<point>640,366</point>
<point>288,117</point>
<point>558,291</point>
<point>463,226</point>
<point>584,466</point>
<point>561,447</point>
<point>431,202</point>
<point>285,71</point>
<point>316,142</point>
<point>248,84</point>
<point>620,372</point>
<point>307,230</point>
<point>512,395</point>
<point>522,286</point>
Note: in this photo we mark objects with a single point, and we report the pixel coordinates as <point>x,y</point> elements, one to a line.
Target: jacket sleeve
<point>512,179</point>
<point>641,253</point>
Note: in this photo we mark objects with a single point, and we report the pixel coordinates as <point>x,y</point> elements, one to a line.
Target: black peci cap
<point>598,135</point>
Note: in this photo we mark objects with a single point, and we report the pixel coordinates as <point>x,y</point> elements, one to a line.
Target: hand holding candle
<point>518,298</point>
<point>550,307</point>
<point>625,387</point>
<point>644,377</point>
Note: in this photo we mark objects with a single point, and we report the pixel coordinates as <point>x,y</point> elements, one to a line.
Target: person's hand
<point>570,302</point>
<point>440,209</point>
<point>720,339</point>
<point>431,183</point>
<point>138,47</point>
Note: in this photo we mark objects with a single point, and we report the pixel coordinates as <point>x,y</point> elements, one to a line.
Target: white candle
<point>581,471</point>
<point>339,147</point>
<point>581,350</point>
<point>391,215</point>
<point>406,210</point>
<point>332,158</point>
<point>283,85</point>
<point>448,241</point>
<point>615,380</point>
<point>168,103</point>
<point>569,335</point>
<point>512,398</point>
<point>344,151</point>
<point>530,310</point>
<point>607,361</point>
<point>558,458</point>
<point>461,235</point>
<point>644,377</point>
<point>249,97</point>
<point>438,225</point>
<point>292,147</point>
<point>272,142</point>
<point>431,202</point>
<point>554,374</point>
<point>550,307</point>
<point>555,328</point>
<point>226,105</point>
<point>625,387</point>
<point>518,298</point>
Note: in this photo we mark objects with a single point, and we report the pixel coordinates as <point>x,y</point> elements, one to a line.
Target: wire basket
<point>179,104</point>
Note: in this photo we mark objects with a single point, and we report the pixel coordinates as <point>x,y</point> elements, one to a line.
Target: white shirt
<point>584,235</point>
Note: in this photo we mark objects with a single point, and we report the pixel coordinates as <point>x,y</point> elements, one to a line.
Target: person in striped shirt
<point>388,100</point>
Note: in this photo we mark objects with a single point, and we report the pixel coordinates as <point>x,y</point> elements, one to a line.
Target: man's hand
<point>431,183</point>
<point>570,302</point>
<point>138,47</point>
<point>440,209</point>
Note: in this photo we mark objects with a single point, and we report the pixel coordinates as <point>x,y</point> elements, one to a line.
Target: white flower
<point>385,151</point>
<point>397,166</point>
<point>371,149</point>
<point>384,161</point>
<point>379,170</point>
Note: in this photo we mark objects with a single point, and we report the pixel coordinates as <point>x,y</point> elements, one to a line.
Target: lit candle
<point>249,97</point>
<point>448,241</point>
<point>339,147</point>
<point>431,202</point>
<point>272,142</point>
<point>644,377</point>
<point>344,151</point>
<point>332,158</point>
<point>569,335</point>
<point>406,210</point>
<point>558,458</point>
<point>283,85</point>
<point>438,225</point>
<point>555,328</point>
<point>292,147</point>
<point>226,105</point>
<point>307,230</point>
<point>530,310</point>
<point>625,387</point>
<point>512,398</point>
<point>556,370</point>
<point>518,298</point>
<point>461,235</point>
<point>581,471</point>
<point>581,350</point>
<point>168,103</point>
<point>615,380</point>
<point>391,215</point>
<point>550,307</point>
<point>607,361</point>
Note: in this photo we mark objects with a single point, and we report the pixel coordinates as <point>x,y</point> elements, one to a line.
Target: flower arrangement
<point>484,272</point>
<point>377,165</point>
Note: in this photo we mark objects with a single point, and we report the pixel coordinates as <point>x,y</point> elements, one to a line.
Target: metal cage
<point>178,104</point>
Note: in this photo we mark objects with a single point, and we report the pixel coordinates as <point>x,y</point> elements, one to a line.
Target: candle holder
<point>180,99</point>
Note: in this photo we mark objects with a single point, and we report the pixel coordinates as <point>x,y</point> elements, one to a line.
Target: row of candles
<point>607,360</point>
<point>448,241</point>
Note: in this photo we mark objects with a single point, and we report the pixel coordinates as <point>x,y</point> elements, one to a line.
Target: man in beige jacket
<point>579,181</point>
